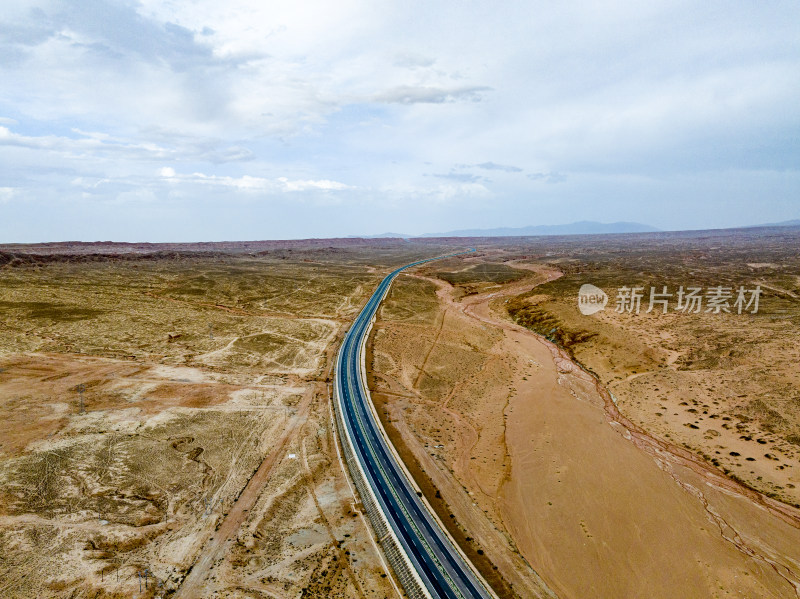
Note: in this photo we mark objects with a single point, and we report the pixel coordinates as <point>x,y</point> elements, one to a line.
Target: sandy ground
<point>724,386</point>
<point>528,441</point>
<point>203,463</point>
<point>207,446</point>
<point>212,551</point>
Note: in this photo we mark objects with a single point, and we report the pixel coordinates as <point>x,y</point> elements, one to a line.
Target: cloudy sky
<point>180,120</point>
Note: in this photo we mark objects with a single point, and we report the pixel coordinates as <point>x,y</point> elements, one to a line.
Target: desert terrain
<point>610,455</point>
<point>165,427</point>
<point>166,421</point>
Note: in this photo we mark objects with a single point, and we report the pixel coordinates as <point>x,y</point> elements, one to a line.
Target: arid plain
<point>166,425</point>
<point>167,412</point>
<point>612,455</point>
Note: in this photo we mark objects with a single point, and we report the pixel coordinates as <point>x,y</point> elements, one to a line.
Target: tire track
<point>212,551</point>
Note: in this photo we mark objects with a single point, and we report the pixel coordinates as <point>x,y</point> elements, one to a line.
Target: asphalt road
<point>438,563</point>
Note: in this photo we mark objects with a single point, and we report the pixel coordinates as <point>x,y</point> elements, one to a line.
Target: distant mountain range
<point>786,223</point>
<point>584,227</point>
<point>388,236</point>
<point>578,228</point>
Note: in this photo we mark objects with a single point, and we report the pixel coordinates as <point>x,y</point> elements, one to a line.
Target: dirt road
<point>212,551</point>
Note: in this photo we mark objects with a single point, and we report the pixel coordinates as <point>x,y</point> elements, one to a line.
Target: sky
<point>193,120</point>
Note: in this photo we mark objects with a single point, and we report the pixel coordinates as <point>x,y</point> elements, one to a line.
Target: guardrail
<point>401,562</point>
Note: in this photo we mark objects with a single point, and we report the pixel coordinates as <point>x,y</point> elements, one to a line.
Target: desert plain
<point>166,412</point>
<point>165,426</point>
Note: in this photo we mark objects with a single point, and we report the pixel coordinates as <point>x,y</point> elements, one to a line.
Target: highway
<point>441,568</point>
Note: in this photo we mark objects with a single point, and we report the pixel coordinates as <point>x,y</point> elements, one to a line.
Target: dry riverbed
<point>534,460</point>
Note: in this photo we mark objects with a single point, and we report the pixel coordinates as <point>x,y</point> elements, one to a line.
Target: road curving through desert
<point>600,508</point>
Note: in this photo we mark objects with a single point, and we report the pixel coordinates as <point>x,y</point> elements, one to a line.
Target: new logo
<point>591,299</point>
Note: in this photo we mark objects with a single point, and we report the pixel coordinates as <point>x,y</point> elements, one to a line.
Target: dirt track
<point>239,511</point>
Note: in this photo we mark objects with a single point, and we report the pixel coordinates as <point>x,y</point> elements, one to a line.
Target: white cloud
<point>446,193</point>
<point>98,144</point>
<point>407,94</point>
<point>492,166</point>
<point>87,144</point>
<point>322,185</point>
<point>412,60</point>
<point>250,183</point>
<point>87,183</point>
<point>136,196</point>
<point>548,177</point>
<point>463,177</point>
<point>294,98</point>
<point>6,194</point>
